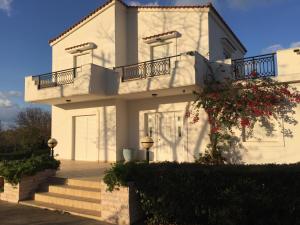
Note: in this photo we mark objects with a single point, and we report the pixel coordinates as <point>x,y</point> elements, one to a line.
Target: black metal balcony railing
<point>146,69</point>
<point>55,79</point>
<point>254,67</point>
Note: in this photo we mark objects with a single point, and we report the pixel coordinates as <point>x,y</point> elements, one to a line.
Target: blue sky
<point>27,25</point>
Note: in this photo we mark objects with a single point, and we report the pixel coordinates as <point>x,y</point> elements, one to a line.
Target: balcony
<point>84,83</point>
<point>146,69</point>
<point>180,71</point>
<point>167,76</point>
<point>254,67</point>
<point>55,79</point>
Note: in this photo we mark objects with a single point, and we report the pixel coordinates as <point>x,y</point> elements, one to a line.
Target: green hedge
<point>191,194</point>
<point>20,155</point>
<point>14,170</point>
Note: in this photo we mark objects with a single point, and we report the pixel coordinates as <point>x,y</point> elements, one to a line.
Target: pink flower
<point>196,119</point>
<point>254,74</point>
<point>187,114</point>
<point>215,130</point>
<point>245,122</point>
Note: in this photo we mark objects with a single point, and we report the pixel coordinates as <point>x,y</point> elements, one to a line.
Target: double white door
<point>170,136</point>
<point>86,138</point>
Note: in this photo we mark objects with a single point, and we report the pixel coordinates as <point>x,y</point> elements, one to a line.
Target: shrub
<point>189,194</point>
<point>14,170</point>
<point>20,155</point>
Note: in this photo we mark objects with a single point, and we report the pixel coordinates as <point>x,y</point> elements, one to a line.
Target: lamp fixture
<point>52,142</point>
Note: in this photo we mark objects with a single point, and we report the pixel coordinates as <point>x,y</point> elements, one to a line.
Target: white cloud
<point>9,94</point>
<point>191,2</point>
<point>8,115</point>
<point>272,48</point>
<point>5,5</point>
<point>235,4</point>
<point>5,103</point>
<point>8,107</point>
<point>276,47</point>
<point>295,44</point>
<point>14,94</point>
<point>137,3</point>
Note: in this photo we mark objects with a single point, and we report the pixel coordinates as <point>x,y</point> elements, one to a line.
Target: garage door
<point>86,138</point>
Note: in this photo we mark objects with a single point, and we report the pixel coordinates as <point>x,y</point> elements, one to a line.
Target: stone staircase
<point>78,197</point>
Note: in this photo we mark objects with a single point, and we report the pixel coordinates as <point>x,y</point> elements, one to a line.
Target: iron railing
<point>146,69</point>
<point>254,67</point>
<point>54,79</point>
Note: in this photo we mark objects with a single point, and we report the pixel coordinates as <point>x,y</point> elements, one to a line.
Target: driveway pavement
<point>14,214</point>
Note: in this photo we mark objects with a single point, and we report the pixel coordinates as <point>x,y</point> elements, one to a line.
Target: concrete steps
<point>68,200</point>
<point>78,197</point>
<point>84,183</point>
<point>96,215</point>
<point>84,192</point>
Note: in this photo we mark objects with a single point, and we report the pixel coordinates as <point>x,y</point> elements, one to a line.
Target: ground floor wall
<point>100,130</point>
<point>274,148</point>
<point>175,137</point>
<point>88,131</point>
<point>105,128</point>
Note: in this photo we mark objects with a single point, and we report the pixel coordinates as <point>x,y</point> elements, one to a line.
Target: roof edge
<point>127,6</point>
<point>209,5</point>
<point>227,26</point>
<point>83,19</point>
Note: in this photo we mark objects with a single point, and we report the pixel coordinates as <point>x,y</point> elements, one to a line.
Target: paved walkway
<point>82,170</point>
<point>14,214</point>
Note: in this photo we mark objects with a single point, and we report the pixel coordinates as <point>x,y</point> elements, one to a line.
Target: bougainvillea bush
<point>240,105</point>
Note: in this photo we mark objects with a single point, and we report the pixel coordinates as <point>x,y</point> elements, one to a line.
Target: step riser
<point>96,215</point>
<point>68,202</point>
<point>82,183</point>
<point>74,192</point>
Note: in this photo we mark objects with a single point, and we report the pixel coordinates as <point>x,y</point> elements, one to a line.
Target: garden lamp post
<point>147,142</point>
<point>52,144</point>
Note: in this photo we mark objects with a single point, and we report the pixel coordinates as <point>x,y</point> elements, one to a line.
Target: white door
<point>169,134</point>
<point>180,137</point>
<point>82,59</point>
<point>86,138</point>
<point>166,149</point>
<point>161,51</point>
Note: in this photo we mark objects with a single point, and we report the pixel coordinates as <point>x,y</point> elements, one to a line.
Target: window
<point>260,136</point>
<point>82,59</point>
<point>228,48</point>
<point>161,51</point>
<point>226,54</point>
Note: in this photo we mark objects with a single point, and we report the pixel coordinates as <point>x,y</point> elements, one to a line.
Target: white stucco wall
<point>288,64</point>
<point>279,149</point>
<point>90,83</point>
<point>185,71</point>
<point>274,149</point>
<point>63,127</point>
<point>99,29</point>
<point>123,128</point>
<point>217,31</point>
<point>121,34</point>
<point>192,24</point>
<point>121,124</point>
<point>196,134</point>
<point>118,33</point>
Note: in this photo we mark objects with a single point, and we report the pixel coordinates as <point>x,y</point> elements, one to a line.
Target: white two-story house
<point>124,72</point>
